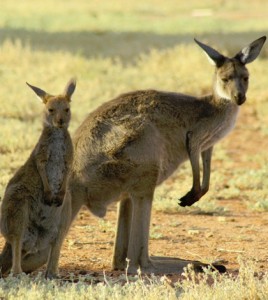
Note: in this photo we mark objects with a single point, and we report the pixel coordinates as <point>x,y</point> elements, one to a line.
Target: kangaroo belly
<point>42,228</point>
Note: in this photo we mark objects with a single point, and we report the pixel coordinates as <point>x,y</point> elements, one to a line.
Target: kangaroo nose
<point>60,121</point>
<point>240,98</point>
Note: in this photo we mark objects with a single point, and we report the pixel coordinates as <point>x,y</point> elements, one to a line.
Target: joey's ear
<point>251,52</point>
<point>40,93</point>
<point>70,87</point>
<point>214,56</point>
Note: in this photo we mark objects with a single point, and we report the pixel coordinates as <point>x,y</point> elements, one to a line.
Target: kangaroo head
<point>231,74</point>
<point>57,108</point>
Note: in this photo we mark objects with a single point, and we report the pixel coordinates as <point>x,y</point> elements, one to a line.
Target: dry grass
<point>203,286</point>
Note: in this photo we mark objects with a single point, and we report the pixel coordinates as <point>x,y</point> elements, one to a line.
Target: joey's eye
<point>225,80</point>
<point>246,78</point>
<point>51,110</point>
<point>67,110</point>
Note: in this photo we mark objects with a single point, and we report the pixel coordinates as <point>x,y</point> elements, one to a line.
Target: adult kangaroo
<point>129,145</point>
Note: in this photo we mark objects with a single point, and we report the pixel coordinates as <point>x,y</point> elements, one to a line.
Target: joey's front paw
<point>48,198</point>
<point>58,198</point>
<point>190,198</point>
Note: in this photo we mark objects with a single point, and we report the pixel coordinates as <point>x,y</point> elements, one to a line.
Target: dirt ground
<point>194,237</point>
<point>89,244</point>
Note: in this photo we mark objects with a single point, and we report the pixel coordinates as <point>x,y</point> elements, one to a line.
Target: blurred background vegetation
<point>116,46</point>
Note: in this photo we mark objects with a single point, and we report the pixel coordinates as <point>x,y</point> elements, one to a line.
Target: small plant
<point>155,233</point>
<point>260,205</point>
<point>106,226</point>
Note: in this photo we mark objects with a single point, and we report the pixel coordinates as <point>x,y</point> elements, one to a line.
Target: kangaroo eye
<point>67,109</point>
<point>245,78</point>
<point>225,80</point>
<point>51,110</point>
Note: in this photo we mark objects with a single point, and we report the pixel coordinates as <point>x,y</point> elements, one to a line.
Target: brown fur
<point>32,204</point>
<point>129,145</point>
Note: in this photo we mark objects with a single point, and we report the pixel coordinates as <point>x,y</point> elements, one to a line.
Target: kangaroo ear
<point>251,52</point>
<point>40,93</point>
<point>214,56</point>
<point>70,87</point>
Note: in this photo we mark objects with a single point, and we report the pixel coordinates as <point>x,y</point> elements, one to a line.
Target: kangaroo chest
<point>56,160</point>
<point>219,128</point>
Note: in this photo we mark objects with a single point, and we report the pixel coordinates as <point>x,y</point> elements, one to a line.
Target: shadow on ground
<point>127,46</point>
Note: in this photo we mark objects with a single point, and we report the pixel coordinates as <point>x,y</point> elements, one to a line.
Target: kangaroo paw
<point>190,198</point>
<point>48,198</point>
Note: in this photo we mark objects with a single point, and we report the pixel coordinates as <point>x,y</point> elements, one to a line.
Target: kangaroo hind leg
<point>122,234</point>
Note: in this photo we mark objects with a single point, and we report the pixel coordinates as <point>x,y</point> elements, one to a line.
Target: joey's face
<point>231,81</point>
<point>57,112</point>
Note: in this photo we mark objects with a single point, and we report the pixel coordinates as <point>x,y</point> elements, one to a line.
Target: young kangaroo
<point>130,144</point>
<point>32,204</point>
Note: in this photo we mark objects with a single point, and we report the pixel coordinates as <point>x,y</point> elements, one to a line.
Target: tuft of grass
<point>260,204</point>
<point>155,233</point>
<point>105,226</point>
<point>248,284</point>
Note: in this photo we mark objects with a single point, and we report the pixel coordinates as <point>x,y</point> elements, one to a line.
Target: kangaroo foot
<point>50,275</point>
<point>198,267</point>
<point>166,265</point>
